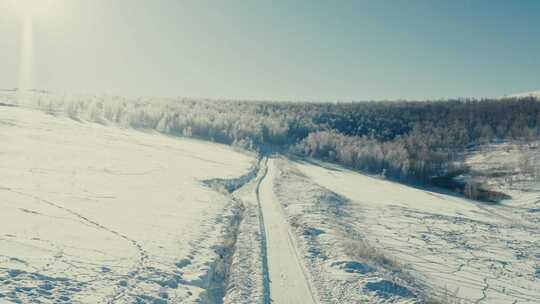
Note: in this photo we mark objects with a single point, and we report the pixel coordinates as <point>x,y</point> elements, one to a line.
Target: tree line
<point>405,140</point>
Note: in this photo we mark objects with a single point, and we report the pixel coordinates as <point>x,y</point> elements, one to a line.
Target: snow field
<point>451,248</point>
<point>93,213</point>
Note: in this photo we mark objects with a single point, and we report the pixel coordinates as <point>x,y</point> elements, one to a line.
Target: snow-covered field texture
<point>97,212</point>
<point>369,240</point>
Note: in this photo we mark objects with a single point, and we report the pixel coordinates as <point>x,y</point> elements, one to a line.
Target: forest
<point>412,141</point>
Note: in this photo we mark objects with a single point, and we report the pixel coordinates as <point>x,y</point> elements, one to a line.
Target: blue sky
<point>281,50</point>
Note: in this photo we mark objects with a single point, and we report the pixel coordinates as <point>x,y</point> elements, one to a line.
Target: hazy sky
<point>287,50</point>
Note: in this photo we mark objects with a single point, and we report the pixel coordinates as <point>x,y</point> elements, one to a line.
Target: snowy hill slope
<point>399,243</point>
<point>526,94</point>
<point>96,214</point>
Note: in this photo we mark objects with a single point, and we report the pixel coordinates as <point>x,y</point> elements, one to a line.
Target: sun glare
<point>31,6</point>
<point>28,9</point>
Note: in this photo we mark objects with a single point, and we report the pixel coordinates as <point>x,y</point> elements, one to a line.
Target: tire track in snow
<point>264,245</point>
<point>288,280</point>
<point>218,291</point>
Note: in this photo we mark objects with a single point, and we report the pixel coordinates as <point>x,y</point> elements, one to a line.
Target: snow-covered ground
<point>95,214</point>
<point>367,239</point>
<point>512,168</point>
<point>248,275</point>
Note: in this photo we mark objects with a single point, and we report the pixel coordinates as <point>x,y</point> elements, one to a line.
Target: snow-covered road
<point>288,278</point>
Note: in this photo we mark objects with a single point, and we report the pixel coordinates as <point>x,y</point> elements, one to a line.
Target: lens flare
<point>31,6</point>
<point>28,10</point>
<point>26,59</point>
